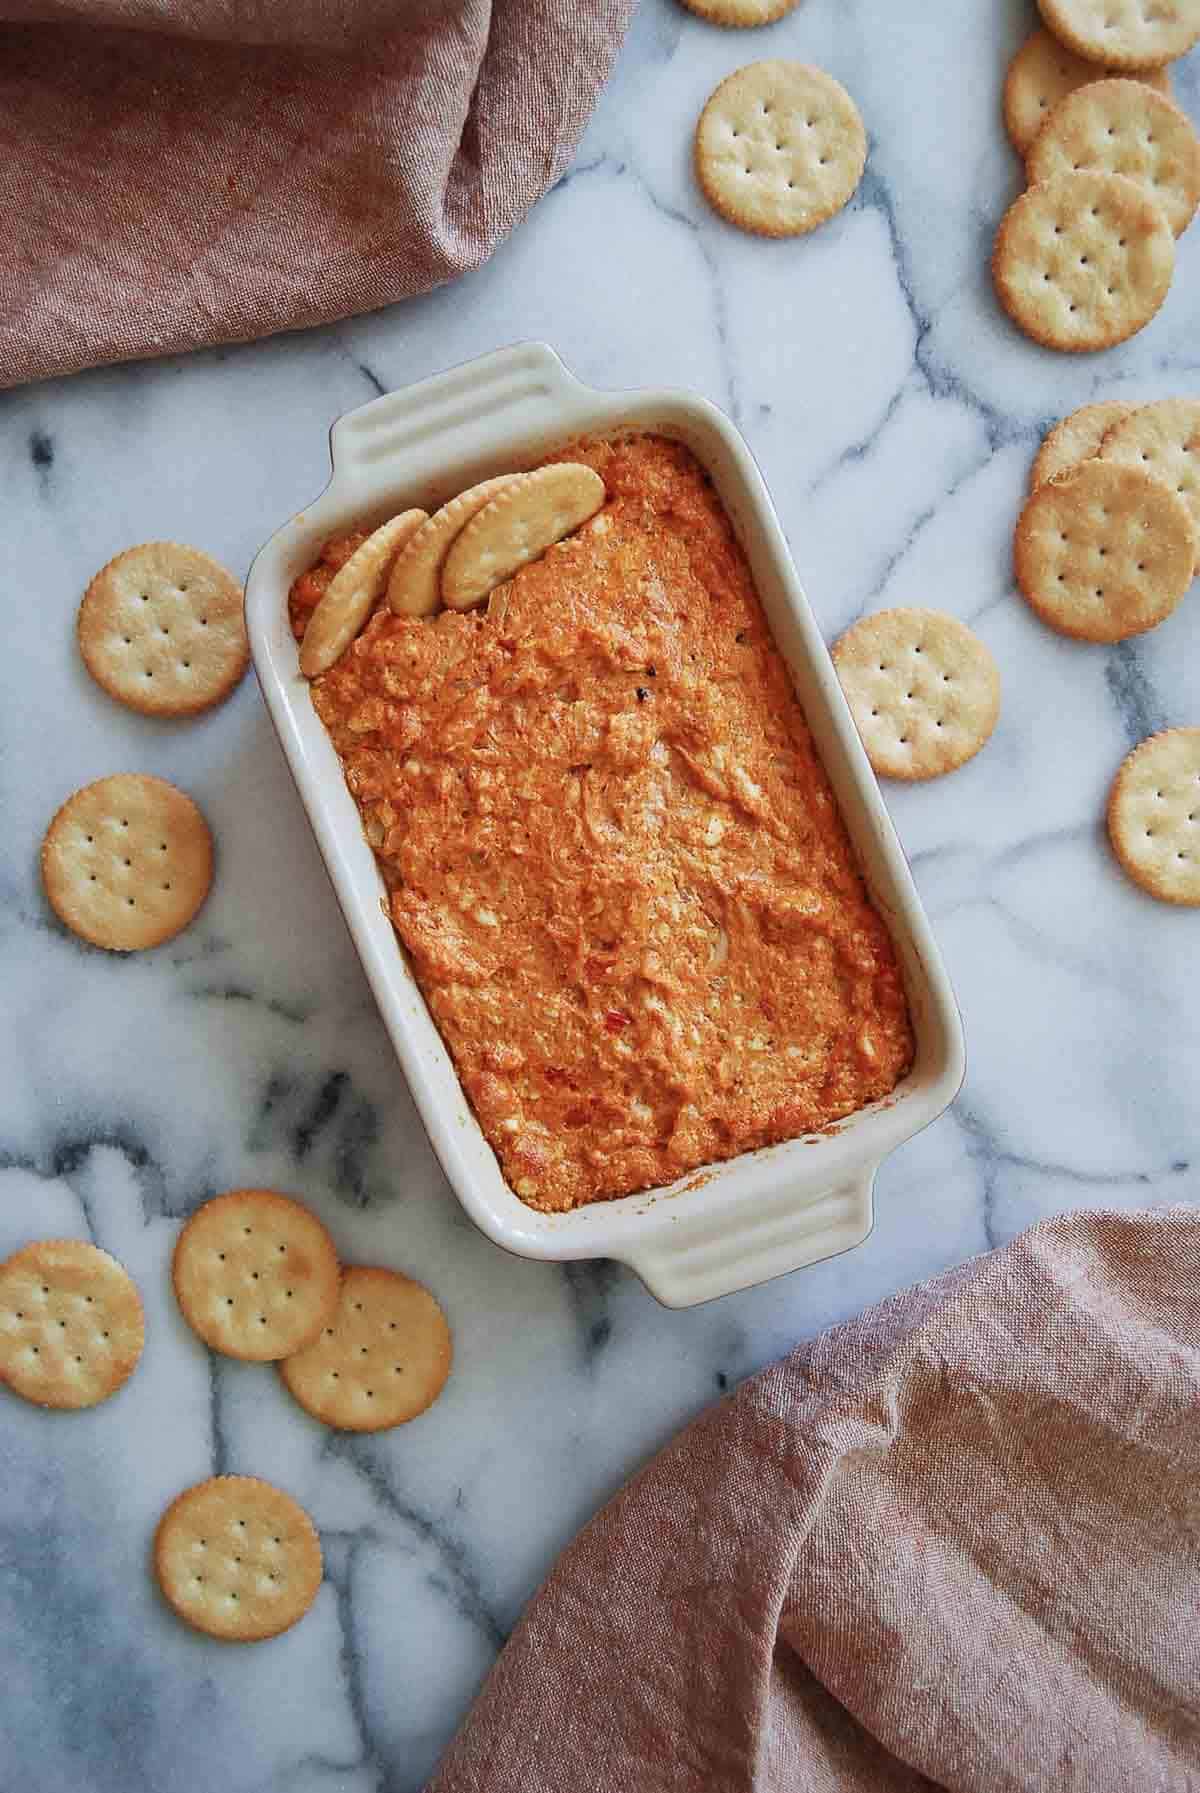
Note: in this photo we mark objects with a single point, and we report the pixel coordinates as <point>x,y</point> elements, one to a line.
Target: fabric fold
<point>180,173</point>
<point>954,1543</point>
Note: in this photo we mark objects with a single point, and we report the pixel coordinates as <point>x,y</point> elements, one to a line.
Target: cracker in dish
<point>353,593</point>
<point>521,522</point>
<point>414,588</point>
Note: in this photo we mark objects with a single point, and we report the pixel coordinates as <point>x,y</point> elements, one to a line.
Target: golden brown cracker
<point>1154,815</point>
<point>162,628</point>
<point>1104,551</point>
<point>414,588</point>
<point>1124,127</point>
<point>383,1359</point>
<point>516,527</point>
<point>237,1558</point>
<point>1083,261</point>
<point>741,13</point>
<point>1076,438</point>
<point>1163,439</point>
<point>71,1324</point>
<point>1042,73</point>
<point>780,147</point>
<point>924,691</point>
<point>127,862</point>
<point>1124,34</point>
<point>353,593</point>
<point>256,1274</point>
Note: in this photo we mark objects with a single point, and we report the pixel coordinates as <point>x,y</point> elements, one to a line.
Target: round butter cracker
<point>518,525</point>
<point>741,13</point>
<point>924,691</point>
<point>780,147</point>
<point>1076,438</point>
<point>1163,440</point>
<point>1103,551</point>
<point>1123,127</point>
<point>127,862</point>
<point>1042,73</point>
<point>162,629</point>
<point>1154,815</point>
<point>1124,34</point>
<point>237,1558</point>
<point>414,588</point>
<point>1083,261</point>
<point>381,1360</point>
<point>255,1274</point>
<point>71,1325</point>
<point>353,593</point>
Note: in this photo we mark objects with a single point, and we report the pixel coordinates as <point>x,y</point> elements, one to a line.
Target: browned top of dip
<point>612,852</point>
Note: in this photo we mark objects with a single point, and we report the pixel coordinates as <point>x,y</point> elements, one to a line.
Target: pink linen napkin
<point>954,1544</point>
<point>179,173</point>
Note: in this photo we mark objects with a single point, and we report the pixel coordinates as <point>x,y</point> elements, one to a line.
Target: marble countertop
<point>894,412</point>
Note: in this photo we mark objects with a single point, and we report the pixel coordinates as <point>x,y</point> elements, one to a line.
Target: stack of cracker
<point>1085,256</point>
<point>1105,548</point>
<point>1106,543</point>
<point>457,557</point>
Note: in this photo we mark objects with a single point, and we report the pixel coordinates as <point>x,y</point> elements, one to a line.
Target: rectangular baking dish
<point>765,1212</point>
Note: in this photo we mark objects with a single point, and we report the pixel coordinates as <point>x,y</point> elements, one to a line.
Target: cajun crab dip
<point>612,852</point>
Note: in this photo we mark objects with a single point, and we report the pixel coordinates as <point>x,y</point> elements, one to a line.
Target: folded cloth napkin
<point>186,172</point>
<point>954,1543</point>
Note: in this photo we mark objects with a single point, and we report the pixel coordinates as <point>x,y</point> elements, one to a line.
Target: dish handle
<point>472,412</point>
<point>706,1256</point>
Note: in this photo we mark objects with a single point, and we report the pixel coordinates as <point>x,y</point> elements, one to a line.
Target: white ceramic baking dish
<point>759,1214</point>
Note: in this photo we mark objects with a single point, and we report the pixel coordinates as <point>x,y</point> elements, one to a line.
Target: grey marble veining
<point>894,412</point>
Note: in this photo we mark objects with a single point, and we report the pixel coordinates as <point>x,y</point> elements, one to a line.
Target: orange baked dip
<point>611,850</point>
